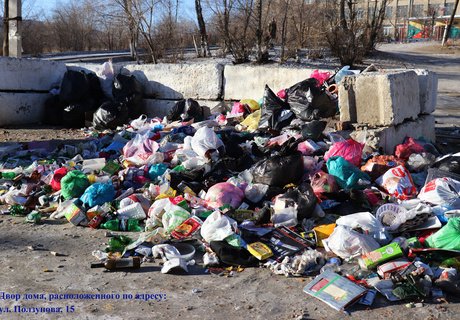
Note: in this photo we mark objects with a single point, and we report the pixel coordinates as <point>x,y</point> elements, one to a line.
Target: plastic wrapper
<point>398,183</point>
<point>322,183</point>
<point>350,150</point>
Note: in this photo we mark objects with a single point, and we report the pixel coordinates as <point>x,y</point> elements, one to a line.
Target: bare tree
<point>202,27</point>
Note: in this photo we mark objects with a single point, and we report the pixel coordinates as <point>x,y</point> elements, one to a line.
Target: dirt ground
<point>251,294</point>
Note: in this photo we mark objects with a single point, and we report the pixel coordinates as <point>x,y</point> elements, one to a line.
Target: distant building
<point>416,19</point>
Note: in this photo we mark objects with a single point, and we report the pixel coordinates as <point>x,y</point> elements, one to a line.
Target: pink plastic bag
<point>323,183</point>
<point>320,76</point>
<point>224,193</point>
<point>140,150</point>
<point>282,94</point>
<point>409,147</point>
<point>350,150</point>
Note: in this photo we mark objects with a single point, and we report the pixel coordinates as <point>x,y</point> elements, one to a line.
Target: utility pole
<point>15,28</point>
<point>449,26</point>
<point>5,28</point>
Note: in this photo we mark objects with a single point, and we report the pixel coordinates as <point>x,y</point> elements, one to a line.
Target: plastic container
<point>132,211</point>
<point>187,251</point>
<point>391,212</point>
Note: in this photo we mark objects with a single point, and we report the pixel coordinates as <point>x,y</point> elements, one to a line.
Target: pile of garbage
<point>260,184</point>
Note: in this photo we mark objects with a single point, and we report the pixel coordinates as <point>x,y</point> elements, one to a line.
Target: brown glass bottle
<point>123,263</point>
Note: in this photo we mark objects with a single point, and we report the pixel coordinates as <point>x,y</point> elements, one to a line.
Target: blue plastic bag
<point>98,194</point>
<point>157,170</point>
<point>346,174</point>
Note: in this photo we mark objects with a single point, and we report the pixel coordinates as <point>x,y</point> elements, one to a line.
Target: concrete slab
<point>178,81</point>
<point>379,98</point>
<point>248,82</point>
<point>21,108</point>
<point>29,74</point>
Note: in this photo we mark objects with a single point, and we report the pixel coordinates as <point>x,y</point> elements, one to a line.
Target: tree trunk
<point>202,27</point>
<point>449,26</point>
<point>259,32</point>
<point>6,48</point>
<point>284,31</point>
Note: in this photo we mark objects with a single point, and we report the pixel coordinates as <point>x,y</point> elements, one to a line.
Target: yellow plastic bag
<point>252,121</point>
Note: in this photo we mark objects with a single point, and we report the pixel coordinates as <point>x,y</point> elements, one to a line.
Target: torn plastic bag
<point>378,165</point>
<point>206,143</point>
<point>275,112</point>
<point>110,115</point>
<point>409,147</point>
<point>398,183</point>
<point>140,150</point>
<point>98,194</point>
<point>350,150</point>
<point>127,90</point>
<point>347,243</point>
<point>310,102</point>
<point>448,237</point>
<point>323,183</point>
<point>233,256</point>
<point>313,129</point>
<point>346,175</point>
<point>186,110</point>
<point>217,227</point>
<point>224,193</point>
<point>420,161</point>
<point>441,191</point>
<point>450,163</point>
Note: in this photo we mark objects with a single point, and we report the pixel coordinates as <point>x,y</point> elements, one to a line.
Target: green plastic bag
<point>448,237</point>
<point>74,184</point>
<point>346,174</point>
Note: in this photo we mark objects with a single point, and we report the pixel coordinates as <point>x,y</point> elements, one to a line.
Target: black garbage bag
<point>75,87</point>
<point>313,129</point>
<point>110,115</point>
<point>309,101</point>
<point>233,256</point>
<point>450,163</point>
<point>128,90</point>
<point>279,170</point>
<point>73,116</point>
<point>190,177</point>
<point>304,198</point>
<point>95,89</point>
<point>53,111</point>
<point>275,113</point>
<point>186,110</point>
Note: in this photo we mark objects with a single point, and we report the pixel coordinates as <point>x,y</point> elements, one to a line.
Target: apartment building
<point>418,19</point>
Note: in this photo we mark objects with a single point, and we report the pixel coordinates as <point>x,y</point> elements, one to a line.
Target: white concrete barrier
<point>248,82</point>
<point>30,74</point>
<point>21,108</point>
<point>379,98</point>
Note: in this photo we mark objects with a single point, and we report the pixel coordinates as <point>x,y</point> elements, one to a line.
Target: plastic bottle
<point>123,263</point>
<point>122,225</point>
<point>333,264</point>
<point>132,211</point>
<point>118,243</point>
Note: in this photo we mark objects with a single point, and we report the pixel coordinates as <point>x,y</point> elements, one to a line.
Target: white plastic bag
<point>205,140</point>
<point>347,243</point>
<point>140,150</point>
<point>217,227</point>
<point>106,74</point>
<point>440,191</point>
<point>366,222</point>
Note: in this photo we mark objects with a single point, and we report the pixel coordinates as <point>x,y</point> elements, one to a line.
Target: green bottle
<point>122,225</point>
<point>8,175</point>
<point>118,243</point>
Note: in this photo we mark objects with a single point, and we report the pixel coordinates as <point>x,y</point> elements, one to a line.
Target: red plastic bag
<point>350,150</point>
<point>323,183</point>
<point>320,76</point>
<point>57,176</point>
<point>398,183</point>
<point>409,147</point>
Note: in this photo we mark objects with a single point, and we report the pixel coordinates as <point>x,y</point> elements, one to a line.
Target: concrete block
<point>379,98</point>
<point>178,81</point>
<point>389,137</point>
<point>160,108</point>
<point>248,82</point>
<point>30,74</point>
<point>428,86</point>
<point>21,108</point>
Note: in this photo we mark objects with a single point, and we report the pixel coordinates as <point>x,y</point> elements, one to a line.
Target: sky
<point>43,8</point>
